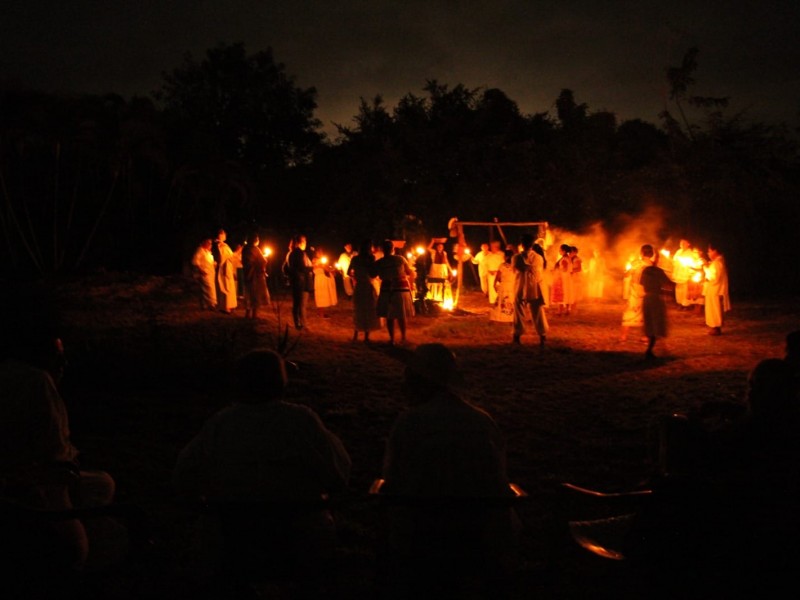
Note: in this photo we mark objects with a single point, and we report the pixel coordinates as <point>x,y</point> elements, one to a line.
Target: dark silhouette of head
<point>30,329</point>
<point>770,391</point>
<point>432,369</point>
<point>260,376</point>
<point>366,248</point>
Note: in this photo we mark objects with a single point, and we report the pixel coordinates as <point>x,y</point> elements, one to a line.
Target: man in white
<point>494,258</point>
<point>343,264</point>
<point>205,272</point>
<point>483,274</point>
<point>229,262</point>
<point>681,273</point>
<point>718,301</point>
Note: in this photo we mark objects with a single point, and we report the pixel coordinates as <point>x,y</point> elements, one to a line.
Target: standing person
<point>229,264</point>
<point>682,273</point>
<point>343,264</point>
<point>255,277</point>
<point>654,310</point>
<point>633,316</point>
<point>205,273</point>
<point>365,298</point>
<point>439,270</point>
<point>503,310</point>
<point>394,301</point>
<point>528,273</point>
<point>301,279</point>
<point>493,260</point>
<point>595,275</point>
<point>576,276</point>
<point>483,270</point>
<point>324,283</point>
<point>718,301</point>
<point>561,292</point>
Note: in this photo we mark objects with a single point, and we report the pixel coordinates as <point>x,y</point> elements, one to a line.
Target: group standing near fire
<point>516,282</point>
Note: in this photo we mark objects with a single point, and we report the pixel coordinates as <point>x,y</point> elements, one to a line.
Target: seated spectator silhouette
<point>727,519</point>
<point>265,464</point>
<point>445,462</point>
<point>39,466</point>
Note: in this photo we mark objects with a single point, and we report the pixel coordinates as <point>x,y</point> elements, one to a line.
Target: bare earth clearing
<point>147,367</point>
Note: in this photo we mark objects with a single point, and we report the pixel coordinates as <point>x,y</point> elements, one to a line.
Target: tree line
<point>229,140</point>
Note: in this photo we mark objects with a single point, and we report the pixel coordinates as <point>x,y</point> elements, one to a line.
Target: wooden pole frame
<point>541,226</point>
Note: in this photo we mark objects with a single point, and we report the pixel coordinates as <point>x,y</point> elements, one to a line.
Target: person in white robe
<point>595,276</point>
<point>494,258</point>
<point>229,264</point>
<point>633,316</point>
<point>718,300</point>
<point>343,264</point>
<point>681,274</point>
<point>205,273</point>
<point>483,272</point>
<point>324,283</point>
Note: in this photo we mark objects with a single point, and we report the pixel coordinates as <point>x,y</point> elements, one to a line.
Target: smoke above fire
<point>616,243</point>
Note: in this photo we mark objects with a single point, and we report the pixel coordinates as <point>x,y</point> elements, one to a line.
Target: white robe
<point>203,262</point>
<point>229,263</point>
<point>718,300</point>
<point>493,260</point>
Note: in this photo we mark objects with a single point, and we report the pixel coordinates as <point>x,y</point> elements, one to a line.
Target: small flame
<point>447,304</point>
<point>267,251</point>
<point>420,250</point>
<point>665,253</point>
<point>409,255</point>
<point>455,272</point>
<point>324,260</point>
<point>697,277</point>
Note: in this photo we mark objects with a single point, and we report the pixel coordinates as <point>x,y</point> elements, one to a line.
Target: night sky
<point>613,55</point>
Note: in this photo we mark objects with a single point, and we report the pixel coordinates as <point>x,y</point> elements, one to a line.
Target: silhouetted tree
<point>247,106</point>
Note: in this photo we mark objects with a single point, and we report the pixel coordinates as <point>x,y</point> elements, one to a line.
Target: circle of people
<point>386,286</point>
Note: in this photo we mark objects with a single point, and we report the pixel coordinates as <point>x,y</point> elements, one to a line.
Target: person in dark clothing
<point>301,279</point>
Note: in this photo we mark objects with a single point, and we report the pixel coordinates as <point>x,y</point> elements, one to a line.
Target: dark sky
<point>612,54</point>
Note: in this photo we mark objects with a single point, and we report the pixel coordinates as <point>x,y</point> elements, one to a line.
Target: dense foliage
<point>231,141</point>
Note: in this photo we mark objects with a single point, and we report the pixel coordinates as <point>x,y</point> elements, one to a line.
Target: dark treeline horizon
<point>229,141</point>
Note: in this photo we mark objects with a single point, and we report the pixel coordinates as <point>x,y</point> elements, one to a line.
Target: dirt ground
<point>147,367</point>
